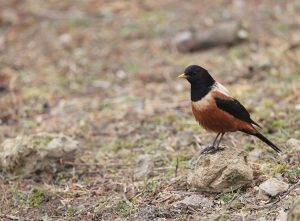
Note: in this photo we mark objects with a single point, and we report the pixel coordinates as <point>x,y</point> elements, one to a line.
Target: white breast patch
<point>208,99</point>
<point>221,88</point>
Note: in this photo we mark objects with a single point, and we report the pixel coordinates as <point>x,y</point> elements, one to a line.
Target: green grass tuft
<point>36,197</point>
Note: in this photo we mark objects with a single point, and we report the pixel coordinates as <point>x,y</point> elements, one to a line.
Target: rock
<point>8,78</point>
<point>8,96</point>
<point>261,195</point>
<point>195,201</point>
<point>66,40</point>
<point>26,154</point>
<point>2,43</point>
<point>227,33</point>
<point>293,154</point>
<point>282,216</point>
<point>273,187</point>
<point>151,212</point>
<point>185,41</point>
<point>255,154</point>
<point>9,16</point>
<point>223,171</point>
<point>294,212</point>
<point>144,166</point>
<point>297,190</point>
<point>294,144</point>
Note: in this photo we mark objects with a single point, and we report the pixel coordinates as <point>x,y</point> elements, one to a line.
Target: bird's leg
<point>214,149</point>
<point>211,148</point>
<point>214,143</point>
<point>217,148</point>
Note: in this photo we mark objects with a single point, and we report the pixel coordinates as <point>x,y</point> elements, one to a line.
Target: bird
<point>216,110</point>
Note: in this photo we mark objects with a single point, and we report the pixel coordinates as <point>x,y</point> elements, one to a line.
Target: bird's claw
<point>211,150</point>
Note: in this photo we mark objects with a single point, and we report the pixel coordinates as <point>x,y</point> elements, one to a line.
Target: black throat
<point>199,91</point>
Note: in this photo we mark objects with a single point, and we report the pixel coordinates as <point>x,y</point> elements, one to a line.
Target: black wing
<point>235,108</point>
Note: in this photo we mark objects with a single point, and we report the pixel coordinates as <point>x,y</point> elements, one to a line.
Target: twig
<point>176,167</point>
<point>290,189</point>
<point>198,141</point>
<point>233,198</point>
<point>164,199</point>
<point>11,217</point>
<point>125,197</point>
<point>96,164</point>
<point>265,206</point>
<point>278,199</point>
<point>183,192</point>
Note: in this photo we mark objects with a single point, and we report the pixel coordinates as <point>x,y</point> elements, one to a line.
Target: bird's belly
<point>214,119</point>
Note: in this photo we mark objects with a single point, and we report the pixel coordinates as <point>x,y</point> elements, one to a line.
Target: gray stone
<point>144,166</point>
<point>294,212</point>
<point>222,171</point>
<point>195,201</point>
<point>225,33</point>
<point>282,216</point>
<point>294,144</point>
<point>255,154</point>
<point>26,154</point>
<point>273,187</point>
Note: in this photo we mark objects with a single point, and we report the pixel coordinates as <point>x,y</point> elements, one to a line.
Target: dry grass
<point>104,72</point>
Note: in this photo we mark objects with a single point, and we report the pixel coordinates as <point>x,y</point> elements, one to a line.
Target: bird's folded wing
<point>235,108</point>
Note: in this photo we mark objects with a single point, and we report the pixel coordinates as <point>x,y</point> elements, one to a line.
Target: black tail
<point>264,139</point>
<point>253,122</point>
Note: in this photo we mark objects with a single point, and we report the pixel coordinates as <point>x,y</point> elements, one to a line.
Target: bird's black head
<point>200,80</point>
<point>197,75</point>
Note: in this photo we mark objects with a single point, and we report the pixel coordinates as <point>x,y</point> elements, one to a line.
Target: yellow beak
<point>181,76</point>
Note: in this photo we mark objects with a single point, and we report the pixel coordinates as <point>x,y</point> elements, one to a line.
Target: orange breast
<point>214,119</point>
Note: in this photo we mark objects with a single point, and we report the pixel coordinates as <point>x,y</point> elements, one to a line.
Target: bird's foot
<point>211,150</point>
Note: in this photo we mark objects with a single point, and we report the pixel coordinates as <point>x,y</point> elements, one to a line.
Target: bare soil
<point>104,72</point>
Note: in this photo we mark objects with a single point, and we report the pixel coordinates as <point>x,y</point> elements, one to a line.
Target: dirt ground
<point>104,72</point>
